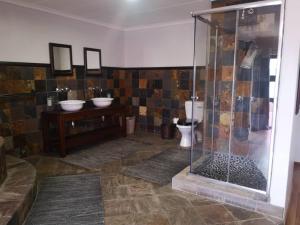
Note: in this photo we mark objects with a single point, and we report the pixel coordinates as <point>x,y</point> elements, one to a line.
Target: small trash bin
<point>130,124</point>
<point>167,131</point>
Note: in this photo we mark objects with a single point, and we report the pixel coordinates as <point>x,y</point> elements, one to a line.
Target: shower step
<point>225,193</point>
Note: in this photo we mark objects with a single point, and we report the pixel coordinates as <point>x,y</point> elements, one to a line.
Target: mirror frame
<point>92,71</point>
<point>60,72</point>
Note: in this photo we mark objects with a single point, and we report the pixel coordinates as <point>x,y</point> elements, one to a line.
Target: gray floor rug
<point>68,200</point>
<point>160,168</point>
<point>242,170</point>
<point>97,156</point>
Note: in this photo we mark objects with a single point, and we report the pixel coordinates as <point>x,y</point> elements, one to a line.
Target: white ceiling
<point>124,14</point>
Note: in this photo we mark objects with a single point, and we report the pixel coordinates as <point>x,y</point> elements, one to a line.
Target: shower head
<point>212,24</point>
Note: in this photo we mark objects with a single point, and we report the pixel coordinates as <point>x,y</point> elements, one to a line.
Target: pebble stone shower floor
<point>242,170</point>
<point>132,201</point>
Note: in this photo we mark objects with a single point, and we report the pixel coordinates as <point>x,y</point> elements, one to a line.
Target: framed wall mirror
<point>92,61</point>
<point>61,59</point>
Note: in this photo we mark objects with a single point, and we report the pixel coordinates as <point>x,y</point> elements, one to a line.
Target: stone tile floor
<point>130,201</point>
<point>17,193</point>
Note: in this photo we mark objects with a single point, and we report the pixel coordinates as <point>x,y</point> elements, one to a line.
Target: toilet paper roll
<point>175,120</point>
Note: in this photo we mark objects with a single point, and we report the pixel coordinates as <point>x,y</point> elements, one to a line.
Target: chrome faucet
<point>97,91</point>
<point>63,93</point>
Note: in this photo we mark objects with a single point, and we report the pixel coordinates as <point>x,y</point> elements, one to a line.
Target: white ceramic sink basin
<point>71,105</point>
<point>102,102</point>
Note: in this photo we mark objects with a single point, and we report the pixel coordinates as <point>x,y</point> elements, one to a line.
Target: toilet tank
<point>198,110</point>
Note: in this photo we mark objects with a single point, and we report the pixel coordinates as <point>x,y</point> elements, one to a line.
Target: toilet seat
<point>186,122</point>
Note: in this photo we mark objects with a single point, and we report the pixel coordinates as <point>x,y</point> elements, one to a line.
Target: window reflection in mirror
<point>92,61</point>
<point>61,59</point>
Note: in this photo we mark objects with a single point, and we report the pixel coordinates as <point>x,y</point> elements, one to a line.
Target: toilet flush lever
<point>194,98</point>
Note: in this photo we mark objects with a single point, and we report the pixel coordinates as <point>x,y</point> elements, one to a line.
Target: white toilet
<point>185,126</point>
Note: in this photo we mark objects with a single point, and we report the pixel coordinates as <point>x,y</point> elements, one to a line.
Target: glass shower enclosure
<point>233,144</point>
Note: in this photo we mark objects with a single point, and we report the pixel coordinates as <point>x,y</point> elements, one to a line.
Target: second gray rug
<point>68,200</point>
<point>160,168</point>
<point>97,156</point>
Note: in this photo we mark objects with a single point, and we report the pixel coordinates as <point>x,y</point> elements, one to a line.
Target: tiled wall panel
<point>154,96</point>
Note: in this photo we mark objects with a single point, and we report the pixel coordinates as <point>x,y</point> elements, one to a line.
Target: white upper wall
<point>171,45</point>
<point>25,34</point>
<point>119,13</point>
<point>158,47</point>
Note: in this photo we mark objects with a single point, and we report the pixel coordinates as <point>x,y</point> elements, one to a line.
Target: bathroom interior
<point>180,143</point>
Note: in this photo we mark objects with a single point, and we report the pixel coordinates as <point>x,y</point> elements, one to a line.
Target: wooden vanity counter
<point>65,141</point>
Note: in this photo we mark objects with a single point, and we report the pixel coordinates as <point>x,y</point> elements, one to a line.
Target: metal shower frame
<point>198,16</point>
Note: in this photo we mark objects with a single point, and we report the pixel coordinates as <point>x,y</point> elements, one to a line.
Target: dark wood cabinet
<point>64,141</point>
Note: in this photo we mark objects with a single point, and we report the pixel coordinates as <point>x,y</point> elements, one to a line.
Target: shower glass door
<point>254,95</point>
<point>220,60</point>
<point>239,93</point>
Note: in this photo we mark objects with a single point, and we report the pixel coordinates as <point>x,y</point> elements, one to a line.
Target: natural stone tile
<point>17,192</point>
<point>186,216</point>
<point>33,160</point>
<point>262,221</point>
<point>13,161</point>
<point>225,119</point>
<point>202,202</point>
<point>150,219</point>
<point>118,179</point>
<point>142,83</point>
<point>166,189</point>
<point>265,208</point>
<point>147,205</point>
<point>119,220</point>
<point>227,73</point>
<point>3,171</point>
<point>228,42</point>
<point>14,192</point>
<point>117,192</point>
<point>225,100</point>
<point>111,167</point>
<point>241,119</point>
<point>131,201</point>
<point>39,73</point>
<point>243,88</point>
<point>8,208</point>
<point>119,207</point>
<point>140,189</point>
<point>9,196</point>
<point>242,214</point>
<point>4,220</point>
<point>143,111</point>
<point>6,115</point>
<point>23,174</point>
<point>8,144</point>
<point>231,223</point>
<point>48,166</point>
<point>213,214</point>
<point>275,220</point>
<point>171,202</point>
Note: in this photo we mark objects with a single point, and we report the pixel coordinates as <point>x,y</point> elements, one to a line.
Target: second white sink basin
<point>71,105</point>
<point>102,102</point>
